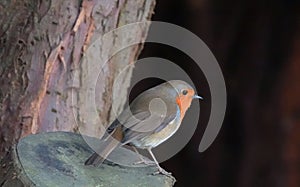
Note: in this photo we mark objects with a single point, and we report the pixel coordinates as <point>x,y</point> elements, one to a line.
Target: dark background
<point>257,45</point>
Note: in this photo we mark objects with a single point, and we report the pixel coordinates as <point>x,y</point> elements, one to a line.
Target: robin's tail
<point>94,159</point>
<point>109,145</point>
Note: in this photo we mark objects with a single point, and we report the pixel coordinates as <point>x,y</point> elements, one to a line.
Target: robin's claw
<point>162,171</point>
<point>149,163</point>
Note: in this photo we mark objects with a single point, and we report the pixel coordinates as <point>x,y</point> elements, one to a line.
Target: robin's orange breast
<point>157,138</point>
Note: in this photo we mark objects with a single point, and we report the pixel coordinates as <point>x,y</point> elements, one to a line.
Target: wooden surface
<point>57,159</point>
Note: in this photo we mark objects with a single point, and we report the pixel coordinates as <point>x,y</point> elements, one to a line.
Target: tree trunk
<point>43,72</point>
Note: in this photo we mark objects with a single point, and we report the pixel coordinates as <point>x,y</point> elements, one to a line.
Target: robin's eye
<point>184,92</point>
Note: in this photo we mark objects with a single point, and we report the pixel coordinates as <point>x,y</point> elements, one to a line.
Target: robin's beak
<point>197,97</point>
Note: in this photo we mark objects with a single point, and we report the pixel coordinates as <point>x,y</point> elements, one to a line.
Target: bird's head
<point>184,94</point>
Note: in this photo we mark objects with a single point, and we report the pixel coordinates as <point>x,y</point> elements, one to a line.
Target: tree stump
<point>57,159</point>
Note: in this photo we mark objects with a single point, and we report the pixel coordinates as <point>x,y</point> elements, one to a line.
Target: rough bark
<point>41,48</point>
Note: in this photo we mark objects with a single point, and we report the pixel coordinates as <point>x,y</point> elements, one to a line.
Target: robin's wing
<point>148,113</point>
<point>144,123</point>
<point>127,120</point>
<point>112,126</point>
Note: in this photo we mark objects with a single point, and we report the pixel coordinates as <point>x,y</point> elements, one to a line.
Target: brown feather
<point>111,143</point>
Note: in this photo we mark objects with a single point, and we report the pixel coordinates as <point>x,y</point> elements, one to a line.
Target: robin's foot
<point>146,162</point>
<point>162,171</point>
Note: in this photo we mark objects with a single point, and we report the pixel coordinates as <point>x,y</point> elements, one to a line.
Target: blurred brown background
<point>257,44</point>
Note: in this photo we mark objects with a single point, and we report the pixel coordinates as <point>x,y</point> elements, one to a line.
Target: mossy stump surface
<point>57,159</point>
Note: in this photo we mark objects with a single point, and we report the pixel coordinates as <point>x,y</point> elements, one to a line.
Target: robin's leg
<point>142,160</point>
<point>160,170</point>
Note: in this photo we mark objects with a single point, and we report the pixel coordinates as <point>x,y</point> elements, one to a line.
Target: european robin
<point>153,117</point>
